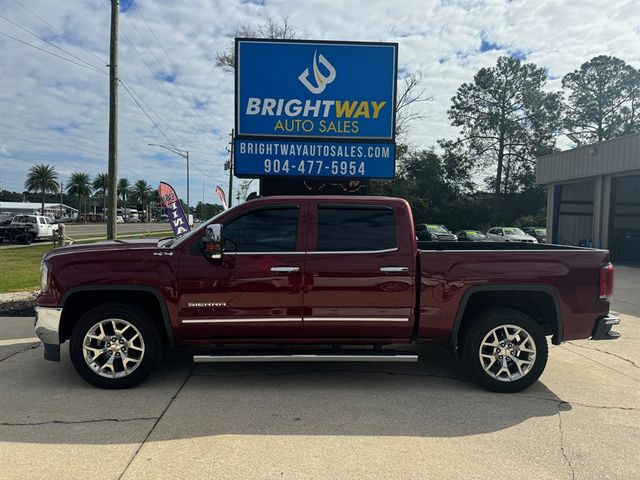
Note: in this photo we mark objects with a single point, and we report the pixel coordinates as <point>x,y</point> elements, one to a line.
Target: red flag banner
<point>175,212</point>
<point>222,197</point>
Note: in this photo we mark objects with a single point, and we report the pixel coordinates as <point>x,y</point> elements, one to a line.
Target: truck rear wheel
<point>115,346</point>
<point>505,350</point>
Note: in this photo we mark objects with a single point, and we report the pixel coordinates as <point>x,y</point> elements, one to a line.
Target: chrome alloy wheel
<point>507,353</point>
<point>113,348</point>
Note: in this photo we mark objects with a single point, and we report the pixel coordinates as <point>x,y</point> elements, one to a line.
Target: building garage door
<point>624,227</point>
<point>573,214</point>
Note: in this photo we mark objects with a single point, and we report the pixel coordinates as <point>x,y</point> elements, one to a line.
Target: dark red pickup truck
<point>319,279</point>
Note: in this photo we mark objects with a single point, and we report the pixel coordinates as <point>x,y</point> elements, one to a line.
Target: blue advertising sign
<point>313,159</point>
<point>320,90</point>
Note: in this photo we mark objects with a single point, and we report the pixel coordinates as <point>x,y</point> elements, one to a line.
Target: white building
<point>29,208</point>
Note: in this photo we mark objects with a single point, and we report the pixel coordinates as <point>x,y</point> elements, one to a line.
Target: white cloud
<point>55,112</point>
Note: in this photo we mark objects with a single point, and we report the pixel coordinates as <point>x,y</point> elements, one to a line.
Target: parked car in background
<point>119,219</point>
<point>539,233</point>
<point>625,244</point>
<point>471,236</point>
<point>434,233</point>
<point>509,234</point>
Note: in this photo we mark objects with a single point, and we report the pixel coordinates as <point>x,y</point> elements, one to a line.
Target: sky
<point>55,112</point>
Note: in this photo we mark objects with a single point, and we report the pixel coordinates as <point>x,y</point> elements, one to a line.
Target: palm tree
<point>140,193</point>
<point>79,185</point>
<point>101,182</point>
<point>42,178</point>
<point>124,190</point>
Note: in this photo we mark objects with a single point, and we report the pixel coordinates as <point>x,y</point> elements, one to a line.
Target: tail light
<point>606,282</point>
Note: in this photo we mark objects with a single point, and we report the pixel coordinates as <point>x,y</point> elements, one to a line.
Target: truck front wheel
<point>505,350</point>
<point>115,346</point>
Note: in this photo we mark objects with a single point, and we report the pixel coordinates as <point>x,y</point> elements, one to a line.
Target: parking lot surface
<point>425,420</point>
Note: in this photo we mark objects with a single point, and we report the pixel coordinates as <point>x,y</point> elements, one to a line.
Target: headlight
<point>44,276</point>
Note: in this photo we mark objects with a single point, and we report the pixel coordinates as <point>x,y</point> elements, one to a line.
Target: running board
<point>303,358</point>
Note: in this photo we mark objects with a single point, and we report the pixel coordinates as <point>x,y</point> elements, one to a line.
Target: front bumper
<point>47,327</point>
<point>602,329</point>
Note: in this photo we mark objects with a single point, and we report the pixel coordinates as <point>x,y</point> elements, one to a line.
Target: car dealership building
<point>594,195</point>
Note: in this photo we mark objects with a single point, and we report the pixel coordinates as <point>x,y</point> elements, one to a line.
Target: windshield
<point>513,231</point>
<point>175,241</point>
<point>474,234</point>
<point>437,229</point>
<point>541,231</point>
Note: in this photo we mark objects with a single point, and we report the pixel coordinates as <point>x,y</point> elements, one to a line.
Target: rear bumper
<point>47,327</point>
<point>602,329</point>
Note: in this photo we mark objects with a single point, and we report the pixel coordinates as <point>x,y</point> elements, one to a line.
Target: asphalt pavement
<point>626,296</point>
<point>325,421</point>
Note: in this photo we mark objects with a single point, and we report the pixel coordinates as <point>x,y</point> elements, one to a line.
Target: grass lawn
<point>20,266</point>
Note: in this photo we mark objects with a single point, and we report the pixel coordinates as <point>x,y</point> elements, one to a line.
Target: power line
<point>145,112</point>
<point>54,54</point>
<point>58,31</point>
<point>48,42</point>
<point>171,63</point>
<point>139,103</point>
<point>161,85</point>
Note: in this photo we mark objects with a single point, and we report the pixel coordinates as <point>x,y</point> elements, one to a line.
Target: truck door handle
<point>285,269</point>
<point>394,269</point>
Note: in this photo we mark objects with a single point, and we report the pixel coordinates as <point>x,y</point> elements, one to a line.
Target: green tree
<point>80,186</point>
<point>602,102</point>
<point>141,193</point>
<point>271,29</point>
<point>42,178</point>
<point>507,120</point>
<point>436,186</point>
<point>124,190</point>
<point>101,183</point>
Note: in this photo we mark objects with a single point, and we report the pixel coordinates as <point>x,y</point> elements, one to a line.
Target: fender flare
<point>557,337</point>
<point>128,288</point>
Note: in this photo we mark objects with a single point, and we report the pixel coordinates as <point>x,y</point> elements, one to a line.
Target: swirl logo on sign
<point>321,80</point>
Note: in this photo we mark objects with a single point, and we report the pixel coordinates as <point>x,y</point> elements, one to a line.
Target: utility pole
<point>231,160</point>
<point>112,204</point>
<point>188,204</point>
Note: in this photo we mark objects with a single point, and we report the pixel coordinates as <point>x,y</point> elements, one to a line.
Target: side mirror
<point>212,242</point>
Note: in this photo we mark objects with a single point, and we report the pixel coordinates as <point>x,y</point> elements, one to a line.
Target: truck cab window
<point>350,229</point>
<point>263,230</point>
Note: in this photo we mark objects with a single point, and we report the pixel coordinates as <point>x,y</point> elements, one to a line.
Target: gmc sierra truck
<point>319,279</point>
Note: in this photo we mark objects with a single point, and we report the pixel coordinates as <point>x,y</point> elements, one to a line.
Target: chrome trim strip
<point>578,249</point>
<point>243,320</point>
<point>355,319</point>
<point>47,325</point>
<point>302,358</point>
<point>342,252</point>
<point>265,253</point>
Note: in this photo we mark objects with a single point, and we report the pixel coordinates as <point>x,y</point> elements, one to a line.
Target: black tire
<point>148,361</point>
<point>480,327</point>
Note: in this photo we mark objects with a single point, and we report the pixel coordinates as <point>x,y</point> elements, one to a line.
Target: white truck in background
<point>25,229</point>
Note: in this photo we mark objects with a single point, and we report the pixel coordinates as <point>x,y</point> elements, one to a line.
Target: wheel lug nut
<point>121,341</point>
<point>113,339</point>
<point>117,354</point>
<point>110,352</point>
<point>108,345</point>
<point>513,352</point>
<point>500,357</point>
